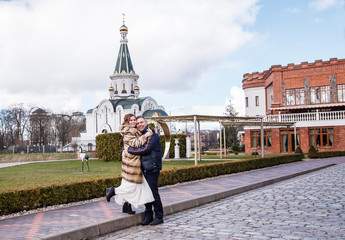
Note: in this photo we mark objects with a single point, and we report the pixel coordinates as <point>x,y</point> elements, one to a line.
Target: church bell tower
<point>124,80</point>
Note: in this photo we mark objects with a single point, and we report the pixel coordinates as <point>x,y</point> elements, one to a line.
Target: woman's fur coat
<point>131,164</point>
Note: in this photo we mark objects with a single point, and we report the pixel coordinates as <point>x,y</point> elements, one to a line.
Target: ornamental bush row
<point>109,146</point>
<point>326,154</point>
<point>16,201</point>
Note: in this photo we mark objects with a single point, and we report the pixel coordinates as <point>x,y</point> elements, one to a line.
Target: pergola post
<point>295,135</point>
<point>224,140</point>
<point>220,142</point>
<point>195,142</point>
<point>199,139</point>
<point>262,139</point>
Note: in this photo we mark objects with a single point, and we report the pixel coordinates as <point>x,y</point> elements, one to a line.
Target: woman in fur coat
<point>134,189</point>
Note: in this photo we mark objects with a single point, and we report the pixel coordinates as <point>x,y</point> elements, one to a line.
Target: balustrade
<point>299,117</point>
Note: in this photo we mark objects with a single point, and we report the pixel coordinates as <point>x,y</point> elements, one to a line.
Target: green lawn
<point>43,174</point>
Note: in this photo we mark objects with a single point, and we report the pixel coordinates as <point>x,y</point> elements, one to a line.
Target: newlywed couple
<point>141,165</point>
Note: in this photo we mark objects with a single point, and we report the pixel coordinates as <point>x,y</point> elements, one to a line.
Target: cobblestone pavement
<point>307,207</point>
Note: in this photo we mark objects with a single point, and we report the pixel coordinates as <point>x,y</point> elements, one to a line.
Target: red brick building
<point>310,94</point>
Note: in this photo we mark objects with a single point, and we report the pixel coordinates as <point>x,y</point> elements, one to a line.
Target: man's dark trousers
<point>152,180</point>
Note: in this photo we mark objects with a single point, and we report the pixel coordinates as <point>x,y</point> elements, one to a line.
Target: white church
<point>123,99</point>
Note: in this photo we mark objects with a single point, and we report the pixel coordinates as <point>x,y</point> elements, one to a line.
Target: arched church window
<point>123,87</point>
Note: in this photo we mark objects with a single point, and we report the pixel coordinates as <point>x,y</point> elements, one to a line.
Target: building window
<point>257,101</point>
<point>320,95</point>
<point>321,137</point>
<point>295,96</point>
<point>256,138</point>
<point>246,101</point>
<point>341,93</point>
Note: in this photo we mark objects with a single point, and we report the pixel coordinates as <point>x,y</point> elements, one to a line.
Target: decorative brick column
<point>333,88</point>
<point>306,91</point>
<point>284,93</point>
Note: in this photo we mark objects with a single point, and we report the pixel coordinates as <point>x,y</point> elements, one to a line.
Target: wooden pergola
<point>223,121</point>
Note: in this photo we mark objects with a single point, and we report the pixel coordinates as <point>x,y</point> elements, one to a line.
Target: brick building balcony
<point>306,117</point>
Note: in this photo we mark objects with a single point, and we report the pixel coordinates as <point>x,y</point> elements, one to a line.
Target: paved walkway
<point>306,207</point>
<point>99,218</point>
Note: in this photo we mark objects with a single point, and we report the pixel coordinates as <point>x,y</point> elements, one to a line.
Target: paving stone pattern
<point>307,207</point>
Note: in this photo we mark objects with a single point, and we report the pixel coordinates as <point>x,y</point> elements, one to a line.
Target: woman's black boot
<point>127,208</point>
<point>109,193</point>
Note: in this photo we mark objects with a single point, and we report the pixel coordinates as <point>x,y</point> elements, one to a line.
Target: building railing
<point>299,117</point>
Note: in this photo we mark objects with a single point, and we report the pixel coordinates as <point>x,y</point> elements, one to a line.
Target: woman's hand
<point>148,133</point>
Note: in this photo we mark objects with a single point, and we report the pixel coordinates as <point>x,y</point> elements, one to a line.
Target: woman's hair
<point>127,118</point>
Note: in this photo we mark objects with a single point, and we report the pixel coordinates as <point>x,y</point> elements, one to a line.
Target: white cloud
<point>237,100</point>
<point>59,53</point>
<point>322,4</point>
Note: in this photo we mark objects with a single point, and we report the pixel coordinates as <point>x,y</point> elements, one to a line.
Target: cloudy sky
<point>190,55</point>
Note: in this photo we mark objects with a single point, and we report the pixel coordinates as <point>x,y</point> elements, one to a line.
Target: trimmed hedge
<point>32,198</point>
<point>186,174</point>
<point>109,146</point>
<point>27,199</point>
<point>327,154</point>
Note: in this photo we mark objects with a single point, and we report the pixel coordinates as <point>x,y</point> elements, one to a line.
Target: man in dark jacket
<point>151,163</point>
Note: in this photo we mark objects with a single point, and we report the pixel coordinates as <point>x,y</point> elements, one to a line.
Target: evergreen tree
<point>231,133</point>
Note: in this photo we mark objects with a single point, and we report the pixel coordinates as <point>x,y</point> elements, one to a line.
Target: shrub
<point>109,146</point>
<point>255,153</point>
<point>243,148</point>
<point>235,148</point>
<point>312,153</point>
<point>299,150</point>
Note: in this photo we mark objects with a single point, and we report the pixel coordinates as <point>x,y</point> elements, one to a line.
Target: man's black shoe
<point>157,221</point>
<point>147,221</point>
<point>109,193</point>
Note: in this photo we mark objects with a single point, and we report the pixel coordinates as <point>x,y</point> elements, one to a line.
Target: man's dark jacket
<point>150,152</point>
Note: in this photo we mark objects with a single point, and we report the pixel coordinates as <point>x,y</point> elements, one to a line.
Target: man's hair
<point>141,117</point>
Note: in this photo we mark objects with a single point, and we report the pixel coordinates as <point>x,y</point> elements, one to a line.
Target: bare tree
<point>63,125</point>
<point>39,127</point>
<point>17,117</point>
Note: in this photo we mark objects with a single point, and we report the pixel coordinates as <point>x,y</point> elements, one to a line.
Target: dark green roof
<point>124,61</point>
<point>127,103</point>
<point>149,113</point>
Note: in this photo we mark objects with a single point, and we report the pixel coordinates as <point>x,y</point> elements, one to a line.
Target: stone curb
<point>109,226</point>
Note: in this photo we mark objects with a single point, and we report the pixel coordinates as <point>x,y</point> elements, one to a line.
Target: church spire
<point>124,80</point>
<point>124,62</point>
